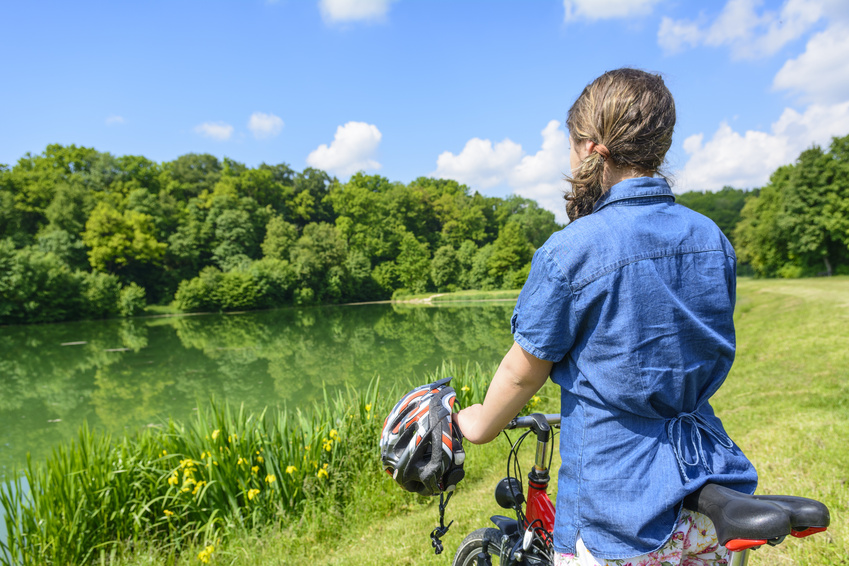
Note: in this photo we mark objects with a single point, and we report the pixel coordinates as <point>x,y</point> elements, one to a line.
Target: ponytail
<point>629,115</point>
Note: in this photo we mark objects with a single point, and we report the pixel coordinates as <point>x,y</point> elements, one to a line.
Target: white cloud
<point>606,9</point>
<point>114,120</point>
<point>215,130</point>
<point>482,165</point>
<point>741,27</point>
<point>747,160</point>
<point>333,11</point>
<point>265,126</point>
<point>817,73</point>
<point>352,150</point>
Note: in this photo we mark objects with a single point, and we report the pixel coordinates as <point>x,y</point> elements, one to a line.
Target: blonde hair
<point>631,113</point>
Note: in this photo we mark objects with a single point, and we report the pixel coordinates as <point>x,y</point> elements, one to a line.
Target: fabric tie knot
<point>698,425</point>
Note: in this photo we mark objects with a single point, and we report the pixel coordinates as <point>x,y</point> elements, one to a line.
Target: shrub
<point>101,293</point>
<point>132,300</point>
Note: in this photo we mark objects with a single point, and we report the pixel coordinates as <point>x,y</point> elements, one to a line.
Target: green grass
<point>786,403</point>
<point>159,310</point>
<point>469,295</point>
<point>498,295</point>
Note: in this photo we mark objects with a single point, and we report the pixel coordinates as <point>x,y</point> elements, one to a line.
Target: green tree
<point>511,251</point>
<point>759,241</point>
<point>122,243</point>
<point>279,238</point>
<point>444,268</point>
<point>479,275</point>
<point>815,216</point>
<point>235,239</point>
<point>318,258</point>
<point>413,264</point>
<point>537,223</point>
<point>190,175</point>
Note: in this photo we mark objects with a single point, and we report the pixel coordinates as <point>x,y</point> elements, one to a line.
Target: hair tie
<point>602,150</point>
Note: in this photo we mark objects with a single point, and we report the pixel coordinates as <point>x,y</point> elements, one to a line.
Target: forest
<point>85,234</point>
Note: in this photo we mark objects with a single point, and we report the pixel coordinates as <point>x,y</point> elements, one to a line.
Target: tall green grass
<point>191,485</point>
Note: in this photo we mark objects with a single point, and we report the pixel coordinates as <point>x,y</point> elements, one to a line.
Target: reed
<point>179,486</point>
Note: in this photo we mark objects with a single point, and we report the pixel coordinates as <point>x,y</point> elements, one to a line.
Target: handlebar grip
<point>528,421</point>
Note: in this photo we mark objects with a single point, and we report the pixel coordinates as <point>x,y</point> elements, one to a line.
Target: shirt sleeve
<point>543,322</point>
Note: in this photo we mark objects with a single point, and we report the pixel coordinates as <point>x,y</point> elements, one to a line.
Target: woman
<point>629,309</point>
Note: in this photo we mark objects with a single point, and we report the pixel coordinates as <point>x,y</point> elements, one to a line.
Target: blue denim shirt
<point>634,304</point>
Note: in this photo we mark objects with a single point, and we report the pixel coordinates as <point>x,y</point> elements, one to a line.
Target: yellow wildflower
<point>205,554</point>
<point>270,479</point>
<point>368,407</point>
<point>291,469</point>
<point>333,434</point>
<point>465,388</point>
<point>173,479</point>
<point>322,473</point>
<point>199,485</point>
<point>325,465</point>
<point>167,512</point>
<point>215,434</point>
<point>259,459</point>
<point>241,461</point>
<point>254,469</point>
<point>252,493</point>
<point>164,452</point>
<point>327,444</point>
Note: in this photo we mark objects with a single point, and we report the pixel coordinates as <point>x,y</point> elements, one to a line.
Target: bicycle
<point>742,521</point>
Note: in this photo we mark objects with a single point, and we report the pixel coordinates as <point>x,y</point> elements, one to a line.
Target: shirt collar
<point>637,187</point>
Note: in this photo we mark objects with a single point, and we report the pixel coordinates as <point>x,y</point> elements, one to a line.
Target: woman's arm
<point>520,375</point>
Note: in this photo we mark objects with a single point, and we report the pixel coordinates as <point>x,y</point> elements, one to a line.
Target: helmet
<point>420,447</point>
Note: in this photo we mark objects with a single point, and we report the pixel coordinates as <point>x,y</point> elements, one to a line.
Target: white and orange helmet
<point>420,447</point>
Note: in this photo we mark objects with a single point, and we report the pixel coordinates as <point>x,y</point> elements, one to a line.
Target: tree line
<point>85,234</point>
<point>797,225</point>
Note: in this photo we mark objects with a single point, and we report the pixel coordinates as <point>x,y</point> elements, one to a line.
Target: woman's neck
<point>614,174</point>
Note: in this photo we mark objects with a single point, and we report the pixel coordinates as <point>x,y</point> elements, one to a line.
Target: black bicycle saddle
<point>744,521</point>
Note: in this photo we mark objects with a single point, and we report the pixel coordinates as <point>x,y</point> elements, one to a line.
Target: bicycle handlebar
<point>528,421</point>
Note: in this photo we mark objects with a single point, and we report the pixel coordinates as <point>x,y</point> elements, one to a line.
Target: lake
<point>119,375</point>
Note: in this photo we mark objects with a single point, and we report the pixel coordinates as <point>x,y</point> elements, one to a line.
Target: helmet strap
<point>442,529</point>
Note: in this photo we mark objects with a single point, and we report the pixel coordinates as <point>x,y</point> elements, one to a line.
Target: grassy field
<point>786,403</point>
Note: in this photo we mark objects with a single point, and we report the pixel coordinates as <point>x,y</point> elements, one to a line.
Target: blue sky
<point>472,90</point>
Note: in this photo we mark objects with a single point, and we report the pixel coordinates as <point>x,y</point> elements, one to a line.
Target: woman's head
<point>628,116</point>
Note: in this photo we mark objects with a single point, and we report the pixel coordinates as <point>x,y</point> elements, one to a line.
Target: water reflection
<point>120,375</point>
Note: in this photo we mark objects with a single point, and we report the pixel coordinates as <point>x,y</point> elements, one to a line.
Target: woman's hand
<point>466,421</point>
<point>520,375</point>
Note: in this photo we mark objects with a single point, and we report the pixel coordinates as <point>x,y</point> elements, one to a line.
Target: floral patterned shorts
<point>693,543</point>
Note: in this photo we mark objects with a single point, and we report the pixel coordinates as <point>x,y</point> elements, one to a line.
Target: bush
<point>36,286</point>
<point>132,300</point>
<point>101,293</point>
<point>198,294</point>
<point>260,284</point>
